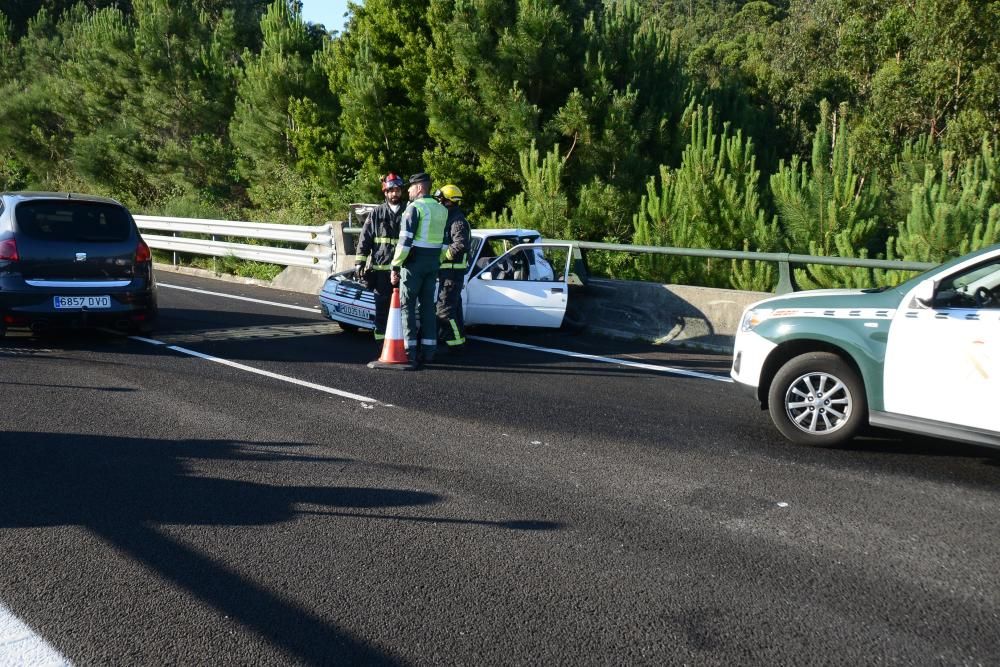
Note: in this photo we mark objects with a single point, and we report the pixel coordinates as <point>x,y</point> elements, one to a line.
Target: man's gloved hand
<point>359,270</point>
<point>394,277</point>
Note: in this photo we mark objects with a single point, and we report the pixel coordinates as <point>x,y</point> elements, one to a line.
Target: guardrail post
<point>786,280</point>
<point>343,249</point>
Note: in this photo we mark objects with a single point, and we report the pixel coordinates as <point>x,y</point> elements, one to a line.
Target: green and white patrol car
<point>922,357</point>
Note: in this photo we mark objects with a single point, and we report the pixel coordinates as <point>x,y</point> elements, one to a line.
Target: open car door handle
<point>556,290</point>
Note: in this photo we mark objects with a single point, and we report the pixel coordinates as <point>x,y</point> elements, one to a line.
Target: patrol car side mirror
<point>924,294</point>
<point>486,275</point>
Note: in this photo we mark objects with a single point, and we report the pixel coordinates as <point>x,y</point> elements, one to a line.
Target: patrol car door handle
<point>556,290</point>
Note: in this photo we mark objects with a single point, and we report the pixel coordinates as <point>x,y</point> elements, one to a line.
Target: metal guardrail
<point>784,260</point>
<point>321,256</point>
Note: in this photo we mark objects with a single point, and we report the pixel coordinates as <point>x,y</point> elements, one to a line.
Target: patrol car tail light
<point>142,253</point>
<point>8,250</point>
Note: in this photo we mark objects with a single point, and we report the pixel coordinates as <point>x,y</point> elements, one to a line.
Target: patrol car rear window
<point>73,221</point>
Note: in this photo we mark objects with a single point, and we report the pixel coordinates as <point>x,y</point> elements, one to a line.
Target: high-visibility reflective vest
<point>422,227</point>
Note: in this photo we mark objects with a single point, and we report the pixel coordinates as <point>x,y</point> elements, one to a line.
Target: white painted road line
<point>258,371</point>
<point>549,350</point>
<point>239,298</point>
<point>20,646</point>
<point>608,360</point>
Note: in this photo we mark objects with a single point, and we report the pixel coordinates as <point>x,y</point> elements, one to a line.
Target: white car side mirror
<point>486,275</point>
<point>924,293</point>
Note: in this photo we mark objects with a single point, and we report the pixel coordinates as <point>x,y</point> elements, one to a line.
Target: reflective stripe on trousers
<point>451,323</point>
<point>456,338</point>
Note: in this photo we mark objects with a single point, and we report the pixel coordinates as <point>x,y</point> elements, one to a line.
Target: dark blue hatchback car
<point>70,260</point>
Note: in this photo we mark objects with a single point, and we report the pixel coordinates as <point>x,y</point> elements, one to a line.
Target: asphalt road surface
<point>240,489</point>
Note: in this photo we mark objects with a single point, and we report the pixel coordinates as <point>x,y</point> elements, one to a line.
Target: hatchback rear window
<point>73,221</point>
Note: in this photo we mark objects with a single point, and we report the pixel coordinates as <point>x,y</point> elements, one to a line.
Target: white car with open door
<point>514,278</point>
<point>526,286</point>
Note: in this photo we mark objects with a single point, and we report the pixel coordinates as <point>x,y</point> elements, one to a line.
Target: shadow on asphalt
<point>901,455</point>
<point>889,442</point>
<point>120,488</point>
<point>186,320</point>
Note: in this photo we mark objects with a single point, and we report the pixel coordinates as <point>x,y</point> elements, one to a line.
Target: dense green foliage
<point>828,127</point>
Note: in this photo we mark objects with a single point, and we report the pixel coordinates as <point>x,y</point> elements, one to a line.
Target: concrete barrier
<point>695,317</point>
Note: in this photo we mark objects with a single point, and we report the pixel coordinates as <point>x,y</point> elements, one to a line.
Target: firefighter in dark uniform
<point>376,246</point>
<point>451,277</point>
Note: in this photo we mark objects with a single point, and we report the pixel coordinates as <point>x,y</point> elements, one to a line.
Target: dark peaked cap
<point>420,177</point>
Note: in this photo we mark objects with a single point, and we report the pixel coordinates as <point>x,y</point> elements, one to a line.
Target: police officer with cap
<point>415,268</point>
<point>451,277</point>
<point>376,247</point>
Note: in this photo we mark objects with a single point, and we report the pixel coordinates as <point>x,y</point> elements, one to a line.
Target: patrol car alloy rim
<point>818,403</point>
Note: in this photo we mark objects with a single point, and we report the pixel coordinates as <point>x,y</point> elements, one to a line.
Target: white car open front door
<point>526,286</point>
<point>943,356</point>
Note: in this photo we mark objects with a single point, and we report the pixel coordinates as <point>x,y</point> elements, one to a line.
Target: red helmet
<point>391,180</point>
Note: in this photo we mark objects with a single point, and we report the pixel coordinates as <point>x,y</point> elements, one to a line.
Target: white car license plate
<point>80,302</point>
<point>353,311</point>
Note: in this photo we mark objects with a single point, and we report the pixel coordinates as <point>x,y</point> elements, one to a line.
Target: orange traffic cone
<point>393,350</point>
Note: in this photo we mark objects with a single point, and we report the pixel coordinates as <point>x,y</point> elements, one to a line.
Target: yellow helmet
<point>450,192</point>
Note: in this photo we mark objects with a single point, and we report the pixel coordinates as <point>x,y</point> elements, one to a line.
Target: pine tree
<point>711,201</point>
<point>633,94</point>
<point>13,174</point>
<point>8,50</point>
<point>186,57</point>
<point>542,205</point>
<point>602,80</point>
<point>378,70</point>
<point>30,124</point>
<point>826,208</point>
<point>284,109</point>
<point>955,210</point>
<point>499,69</point>
<point>97,77</point>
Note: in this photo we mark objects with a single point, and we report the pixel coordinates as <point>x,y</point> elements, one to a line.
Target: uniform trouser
<point>382,286</point>
<point>418,279</point>
<point>451,324</point>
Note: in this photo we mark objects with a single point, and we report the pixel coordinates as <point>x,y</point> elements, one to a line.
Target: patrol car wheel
<point>817,399</point>
<point>349,328</point>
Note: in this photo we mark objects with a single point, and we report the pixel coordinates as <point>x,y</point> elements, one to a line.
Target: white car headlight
<point>754,317</point>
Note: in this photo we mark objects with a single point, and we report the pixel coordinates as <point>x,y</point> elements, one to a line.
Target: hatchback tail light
<point>8,250</point>
<point>142,253</point>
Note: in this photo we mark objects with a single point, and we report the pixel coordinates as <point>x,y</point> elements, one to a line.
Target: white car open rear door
<point>526,286</point>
